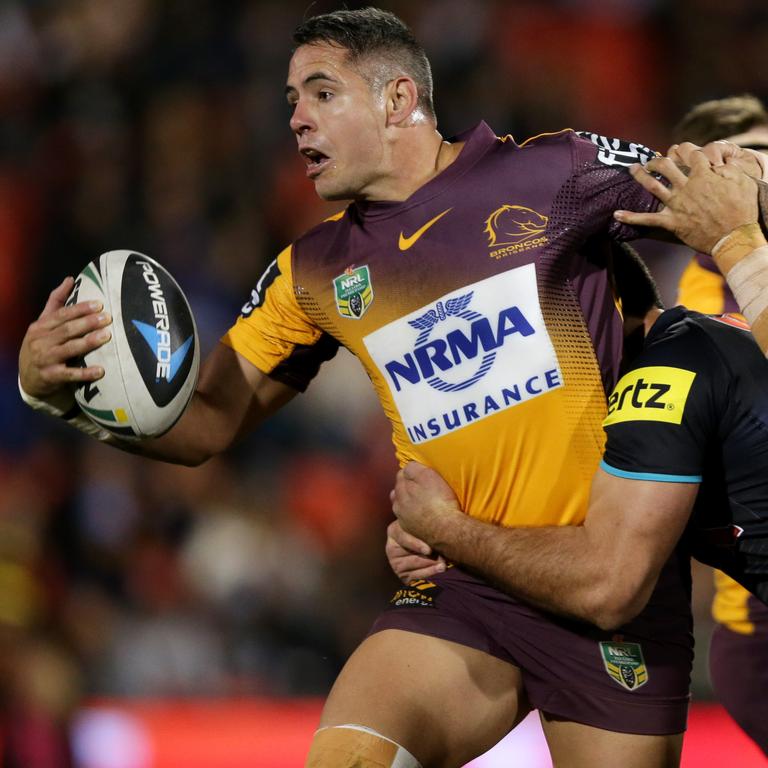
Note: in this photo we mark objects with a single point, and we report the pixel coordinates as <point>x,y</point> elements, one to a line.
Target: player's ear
<point>402,100</point>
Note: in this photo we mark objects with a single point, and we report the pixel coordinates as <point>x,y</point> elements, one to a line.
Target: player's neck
<point>650,318</point>
<point>413,164</point>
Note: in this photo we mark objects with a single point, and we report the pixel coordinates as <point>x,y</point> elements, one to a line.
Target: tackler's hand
<point>700,208</point>
<point>411,558</point>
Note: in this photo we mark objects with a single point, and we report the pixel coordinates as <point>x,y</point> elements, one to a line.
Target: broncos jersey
<point>482,310</point>
<point>703,288</point>
<point>694,408</point>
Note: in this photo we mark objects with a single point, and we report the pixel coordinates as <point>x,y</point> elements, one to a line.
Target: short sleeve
<point>662,413</point>
<point>604,185</point>
<point>275,335</point>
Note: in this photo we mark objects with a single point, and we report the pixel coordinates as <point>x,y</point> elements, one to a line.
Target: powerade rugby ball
<point>153,358</point>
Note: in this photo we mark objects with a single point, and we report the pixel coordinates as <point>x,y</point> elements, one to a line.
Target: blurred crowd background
<point>161,126</point>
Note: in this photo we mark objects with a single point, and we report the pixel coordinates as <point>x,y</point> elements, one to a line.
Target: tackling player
<point>690,415</point>
<point>739,645</point>
<point>471,278</point>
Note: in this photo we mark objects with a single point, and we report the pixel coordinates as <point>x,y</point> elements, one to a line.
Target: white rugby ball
<point>153,358</point>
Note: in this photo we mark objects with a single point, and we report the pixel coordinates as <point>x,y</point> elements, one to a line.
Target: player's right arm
<point>232,398</point>
<point>232,395</point>
<point>271,353</point>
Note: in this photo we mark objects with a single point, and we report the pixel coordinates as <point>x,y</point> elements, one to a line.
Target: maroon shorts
<point>634,680</point>
<point>738,666</point>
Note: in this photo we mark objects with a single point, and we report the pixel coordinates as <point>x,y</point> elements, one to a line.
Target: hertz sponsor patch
<point>418,594</point>
<point>655,393</point>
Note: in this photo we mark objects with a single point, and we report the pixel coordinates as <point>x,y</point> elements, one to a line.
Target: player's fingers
<point>735,172</point>
<point>81,326</point>
<point>406,540</point>
<point>680,154</point>
<point>424,573</point>
<point>83,345</point>
<point>717,152</point>
<point>635,219</point>
<point>407,565</point>
<point>668,169</point>
<point>59,345</point>
<point>412,470</point>
<point>56,375</point>
<point>62,315</point>
<point>58,296</point>
<point>650,183</point>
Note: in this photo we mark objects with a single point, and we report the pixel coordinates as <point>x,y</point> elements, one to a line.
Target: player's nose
<point>301,120</point>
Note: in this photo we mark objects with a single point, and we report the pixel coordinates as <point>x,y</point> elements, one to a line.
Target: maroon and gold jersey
<point>482,310</point>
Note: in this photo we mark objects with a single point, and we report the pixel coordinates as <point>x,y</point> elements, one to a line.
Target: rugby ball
<point>153,358</point>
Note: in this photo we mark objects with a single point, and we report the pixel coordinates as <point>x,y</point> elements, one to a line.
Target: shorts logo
<point>419,594</point>
<point>624,662</point>
<point>618,153</point>
<point>514,229</point>
<point>353,291</point>
<point>655,393</point>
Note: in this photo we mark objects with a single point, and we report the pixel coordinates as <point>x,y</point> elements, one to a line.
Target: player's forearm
<point>556,568</point>
<point>742,257</point>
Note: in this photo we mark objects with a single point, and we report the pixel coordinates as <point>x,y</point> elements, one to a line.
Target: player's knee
<point>355,746</point>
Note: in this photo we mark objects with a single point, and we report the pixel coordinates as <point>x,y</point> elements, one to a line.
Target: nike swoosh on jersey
<point>406,242</point>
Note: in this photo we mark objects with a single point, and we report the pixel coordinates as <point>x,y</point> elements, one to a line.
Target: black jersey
<point>694,408</point>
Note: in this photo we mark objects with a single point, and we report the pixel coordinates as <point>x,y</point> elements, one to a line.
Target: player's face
<point>338,121</point>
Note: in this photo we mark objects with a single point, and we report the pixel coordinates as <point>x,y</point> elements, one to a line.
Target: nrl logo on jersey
<point>618,152</point>
<point>513,229</point>
<point>353,291</point>
<point>624,662</point>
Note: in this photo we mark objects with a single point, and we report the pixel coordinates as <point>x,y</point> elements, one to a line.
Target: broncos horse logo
<point>512,224</point>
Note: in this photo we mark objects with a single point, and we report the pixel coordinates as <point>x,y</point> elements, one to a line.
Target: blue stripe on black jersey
<point>649,475</point>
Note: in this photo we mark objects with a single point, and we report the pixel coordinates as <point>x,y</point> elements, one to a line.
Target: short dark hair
<point>372,32</point>
<point>721,118</point>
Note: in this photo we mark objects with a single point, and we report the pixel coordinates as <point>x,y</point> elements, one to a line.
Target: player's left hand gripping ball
<point>152,361</point>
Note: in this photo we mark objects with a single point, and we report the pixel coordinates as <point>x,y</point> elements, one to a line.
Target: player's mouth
<point>316,161</point>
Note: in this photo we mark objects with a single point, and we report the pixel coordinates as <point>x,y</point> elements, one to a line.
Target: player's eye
<point>324,95</point>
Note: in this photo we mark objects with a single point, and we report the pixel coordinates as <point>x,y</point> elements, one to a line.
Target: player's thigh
<point>442,701</point>
<point>573,745</point>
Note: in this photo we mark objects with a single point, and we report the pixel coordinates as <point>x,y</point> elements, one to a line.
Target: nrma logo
<point>432,359</point>
<point>470,354</point>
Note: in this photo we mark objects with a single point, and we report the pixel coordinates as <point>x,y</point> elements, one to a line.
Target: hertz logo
<point>655,393</point>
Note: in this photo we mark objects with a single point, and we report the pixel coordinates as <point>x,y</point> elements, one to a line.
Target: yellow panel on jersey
<point>284,328</point>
